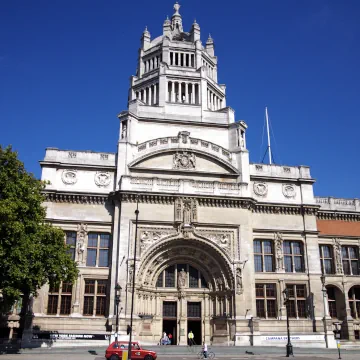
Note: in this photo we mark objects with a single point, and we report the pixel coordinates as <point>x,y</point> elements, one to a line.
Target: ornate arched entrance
<point>185,282</point>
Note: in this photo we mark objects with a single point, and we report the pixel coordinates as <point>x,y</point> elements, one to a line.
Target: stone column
<point>149,99</point>
<point>172,91</point>
<point>186,93</point>
<point>155,93</point>
<point>76,305</point>
<point>192,93</point>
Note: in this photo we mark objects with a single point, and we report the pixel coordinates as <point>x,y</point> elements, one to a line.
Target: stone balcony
<point>338,204</point>
<point>280,171</point>
<point>183,186</point>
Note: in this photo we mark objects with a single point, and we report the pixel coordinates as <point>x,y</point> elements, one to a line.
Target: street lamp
<point>117,302</point>
<point>289,347</point>
<point>324,291</point>
<point>133,279</point>
<point>337,333</point>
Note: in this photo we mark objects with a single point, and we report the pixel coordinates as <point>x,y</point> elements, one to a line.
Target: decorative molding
<point>335,215</point>
<point>184,160</point>
<point>102,178</point>
<point>260,188</point>
<point>69,176</point>
<point>289,190</point>
<point>75,198</point>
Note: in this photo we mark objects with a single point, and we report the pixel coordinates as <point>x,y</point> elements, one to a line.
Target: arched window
<point>168,277</point>
<point>354,301</point>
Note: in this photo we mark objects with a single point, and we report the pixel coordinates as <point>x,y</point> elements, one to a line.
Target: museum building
<point>218,239</point>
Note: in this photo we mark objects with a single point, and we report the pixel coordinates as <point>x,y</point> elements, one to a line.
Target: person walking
<point>205,350</point>
<point>191,338</point>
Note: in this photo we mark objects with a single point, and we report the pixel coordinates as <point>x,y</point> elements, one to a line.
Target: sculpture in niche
<point>338,258</point>
<point>239,274</point>
<point>185,211</point>
<point>69,177</point>
<point>102,178</point>
<point>131,273</point>
<point>81,238</point>
<point>260,189</point>
<point>178,209</point>
<point>289,190</point>
<point>182,279</point>
<point>184,161</point>
<point>279,251</point>
<point>123,129</point>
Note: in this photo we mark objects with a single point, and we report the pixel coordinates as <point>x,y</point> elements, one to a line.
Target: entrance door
<point>194,320</point>
<point>170,320</point>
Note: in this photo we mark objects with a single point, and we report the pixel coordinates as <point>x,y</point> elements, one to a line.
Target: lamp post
<point>133,279</point>
<point>337,333</point>
<point>117,302</point>
<point>324,291</point>
<point>289,347</point>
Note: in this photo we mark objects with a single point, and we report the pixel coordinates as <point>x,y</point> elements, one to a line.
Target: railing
<point>330,203</point>
<point>294,172</point>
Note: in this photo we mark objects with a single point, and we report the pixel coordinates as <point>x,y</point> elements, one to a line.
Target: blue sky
<point>65,67</point>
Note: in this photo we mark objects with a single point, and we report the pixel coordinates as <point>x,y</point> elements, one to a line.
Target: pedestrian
<point>205,350</point>
<point>170,338</point>
<point>165,339</point>
<point>191,338</point>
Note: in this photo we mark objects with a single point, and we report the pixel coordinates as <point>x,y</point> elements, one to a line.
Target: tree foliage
<point>32,252</point>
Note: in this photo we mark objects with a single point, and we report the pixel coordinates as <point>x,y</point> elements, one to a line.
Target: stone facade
<point>218,239</point>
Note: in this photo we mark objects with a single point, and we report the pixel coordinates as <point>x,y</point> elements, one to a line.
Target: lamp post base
<point>289,350</point>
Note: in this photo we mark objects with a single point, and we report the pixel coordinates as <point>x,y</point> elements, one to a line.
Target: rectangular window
<point>95,297</point>
<point>194,310</point>
<point>60,295</point>
<point>354,301</point>
<point>350,259</point>
<point>169,309</point>
<point>331,301</point>
<point>71,242</point>
<point>98,250</point>
<point>263,256</point>
<point>265,300</point>
<point>326,259</point>
<point>297,300</point>
<point>293,256</point>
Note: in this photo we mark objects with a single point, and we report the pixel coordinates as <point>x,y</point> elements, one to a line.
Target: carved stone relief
<point>184,135</point>
<point>338,257</point>
<point>260,189</point>
<point>149,236</point>
<point>102,178</point>
<point>69,176</point>
<point>289,190</point>
<point>223,239</point>
<point>184,160</point>
<point>185,211</point>
<point>81,240</point>
<point>278,239</point>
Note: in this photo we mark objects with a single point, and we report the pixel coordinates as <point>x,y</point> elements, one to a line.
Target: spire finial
<point>176,8</point>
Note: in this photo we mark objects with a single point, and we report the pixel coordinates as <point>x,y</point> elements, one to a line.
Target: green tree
<point>32,252</point>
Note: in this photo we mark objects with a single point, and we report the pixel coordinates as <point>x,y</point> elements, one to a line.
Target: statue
<point>81,237</point>
<point>182,279</point>
<point>187,213</point>
<point>279,251</point>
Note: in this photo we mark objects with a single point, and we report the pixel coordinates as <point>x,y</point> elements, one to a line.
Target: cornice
<point>62,165</point>
<point>336,215</point>
<point>75,198</point>
<point>281,179</point>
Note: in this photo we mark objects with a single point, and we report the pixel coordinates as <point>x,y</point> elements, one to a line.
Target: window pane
<point>298,263</point>
<point>328,266</point>
<point>257,246</point>
<point>287,247</point>
<point>91,257</point>
<point>170,276</point>
<point>101,287</point>
<point>104,240</point>
<point>271,308</point>
<point>52,304</point>
<point>71,251</point>
<point>258,263</point>
<point>291,309</point>
<point>296,248</point>
<point>71,238</point>
<point>330,292</point>
<point>259,290</point>
<point>92,240</point>
<point>352,308</point>
<point>346,267</point>
<point>66,287</point>
<point>300,291</point>
<point>169,309</point>
<point>54,288</point>
<point>260,308</point>
<point>65,305</point>
<point>193,277</point>
<point>100,305</point>
<point>344,252</point>
<point>291,292</point>
<point>352,253</point>
<point>288,264</point>
<point>354,267</point>
<point>88,305</point>
<point>270,290</point>
<point>267,247</point>
<point>301,308</point>
<point>89,286</point>
<point>326,251</point>
<point>203,282</point>
<point>103,258</point>
<point>332,309</point>
<point>269,263</point>
<point>194,309</point>
<point>159,282</point>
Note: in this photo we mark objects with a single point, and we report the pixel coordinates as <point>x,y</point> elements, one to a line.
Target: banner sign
<point>47,335</point>
<point>294,338</point>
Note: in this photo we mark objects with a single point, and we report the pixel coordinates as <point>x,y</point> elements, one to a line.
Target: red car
<point>114,351</point>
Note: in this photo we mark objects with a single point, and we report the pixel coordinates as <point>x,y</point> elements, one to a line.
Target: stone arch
<point>206,256</point>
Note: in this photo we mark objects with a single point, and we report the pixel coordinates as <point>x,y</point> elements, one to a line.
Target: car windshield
<point>125,346</point>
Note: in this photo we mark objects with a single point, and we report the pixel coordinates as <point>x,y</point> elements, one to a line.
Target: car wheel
<point>114,357</point>
<point>148,357</point>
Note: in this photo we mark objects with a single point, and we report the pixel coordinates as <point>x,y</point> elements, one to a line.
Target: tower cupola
<point>176,20</point>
